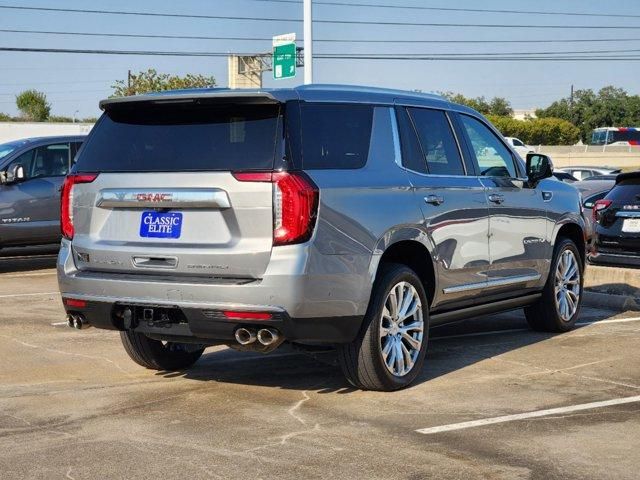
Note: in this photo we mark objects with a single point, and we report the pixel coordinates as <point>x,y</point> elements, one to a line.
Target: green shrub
<point>538,131</point>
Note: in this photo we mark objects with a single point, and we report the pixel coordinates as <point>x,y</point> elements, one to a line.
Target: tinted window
<point>493,158</point>
<point>46,161</point>
<point>184,137</point>
<point>627,192</point>
<point>517,143</point>
<point>412,157</point>
<point>439,147</point>
<point>335,136</point>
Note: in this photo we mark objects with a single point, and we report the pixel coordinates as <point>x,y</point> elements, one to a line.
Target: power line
<point>342,56</point>
<point>321,21</point>
<point>322,40</point>
<point>454,9</point>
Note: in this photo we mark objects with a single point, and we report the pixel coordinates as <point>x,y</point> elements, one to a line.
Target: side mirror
<point>539,167</point>
<point>15,173</point>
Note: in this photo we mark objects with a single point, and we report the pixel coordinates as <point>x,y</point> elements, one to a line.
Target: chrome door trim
<point>496,282</point>
<point>183,198</point>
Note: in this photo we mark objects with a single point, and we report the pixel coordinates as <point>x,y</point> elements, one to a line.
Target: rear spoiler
<point>191,96</point>
<point>627,176</point>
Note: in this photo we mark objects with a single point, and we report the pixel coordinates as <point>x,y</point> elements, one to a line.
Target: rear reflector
<point>248,315</point>
<point>66,201</point>
<point>72,302</point>
<point>295,204</point>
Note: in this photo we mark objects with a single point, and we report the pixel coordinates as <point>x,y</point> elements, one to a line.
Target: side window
<point>45,161</point>
<point>439,147</point>
<point>335,136</point>
<point>26,160</point>
<point>412,157</point>
<point>517,143</point>
<point>493,158</point>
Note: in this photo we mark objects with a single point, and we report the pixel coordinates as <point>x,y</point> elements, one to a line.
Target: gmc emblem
<point>154,197</point>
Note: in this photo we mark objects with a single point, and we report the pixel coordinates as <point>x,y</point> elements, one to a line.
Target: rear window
<point>335,136</point>
<point>187,137</point>
<point>626,192</point>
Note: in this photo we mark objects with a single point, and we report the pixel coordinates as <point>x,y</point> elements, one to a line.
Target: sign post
<point>284,56</point>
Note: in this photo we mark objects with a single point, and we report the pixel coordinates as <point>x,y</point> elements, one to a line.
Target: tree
<point>495,106</point>
<point>4,117</point>
<point>500,106</point>
<point>609,107</point>
<point>33,106</point>
<point>152,81</point>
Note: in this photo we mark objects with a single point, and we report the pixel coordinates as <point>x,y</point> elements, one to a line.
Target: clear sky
<point>75,83</point>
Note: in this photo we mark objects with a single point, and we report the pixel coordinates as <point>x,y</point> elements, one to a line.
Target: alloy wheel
<point>567,285</point>
<point>401,329</point>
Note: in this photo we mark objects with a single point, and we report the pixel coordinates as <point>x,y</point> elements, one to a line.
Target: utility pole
<point>129,82</point>
<point>571,104</point>
<point>308,43</point>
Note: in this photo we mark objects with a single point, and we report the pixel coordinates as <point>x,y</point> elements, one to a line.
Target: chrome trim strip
<point>497,282</point>
<point>182,198</point>
<point>628,213</point>
<point>397,152</point>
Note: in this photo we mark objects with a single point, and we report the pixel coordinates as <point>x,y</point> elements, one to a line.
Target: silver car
<point>322,216</point>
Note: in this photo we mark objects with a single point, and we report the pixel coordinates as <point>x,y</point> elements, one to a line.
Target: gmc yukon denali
<point>324,216</point>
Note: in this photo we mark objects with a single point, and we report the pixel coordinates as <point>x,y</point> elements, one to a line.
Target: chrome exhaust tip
<point>70,321</point>
<point>268,336</point>
<point>79,322</point>
<point>244,336</point>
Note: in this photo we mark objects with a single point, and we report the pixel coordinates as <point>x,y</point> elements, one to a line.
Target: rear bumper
<point>311,300</point>
<point>210,326</point>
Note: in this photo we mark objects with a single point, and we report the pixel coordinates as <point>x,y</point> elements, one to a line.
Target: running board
<point>488,308</point>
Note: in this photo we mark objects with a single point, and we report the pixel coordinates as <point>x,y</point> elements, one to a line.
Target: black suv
<point>617,219</point>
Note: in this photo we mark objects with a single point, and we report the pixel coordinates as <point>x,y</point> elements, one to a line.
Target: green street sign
<point>284,61</point>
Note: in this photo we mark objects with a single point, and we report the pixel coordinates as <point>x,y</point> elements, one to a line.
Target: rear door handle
<point>496,198</point>
<point>434,199</point>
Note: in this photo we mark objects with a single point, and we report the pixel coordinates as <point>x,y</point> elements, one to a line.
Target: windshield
<point>160,138</point>
<point>7,148</point>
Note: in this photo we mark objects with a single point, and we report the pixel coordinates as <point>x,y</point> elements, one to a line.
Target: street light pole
<point>308,43</point>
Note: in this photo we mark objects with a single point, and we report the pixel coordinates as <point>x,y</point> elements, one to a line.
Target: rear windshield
<point>187,137</point>
<point>627,191</point>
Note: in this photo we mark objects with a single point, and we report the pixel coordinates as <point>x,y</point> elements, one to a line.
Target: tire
<point>157,355</point>
<point>547,314</point>
<point>362,361</point>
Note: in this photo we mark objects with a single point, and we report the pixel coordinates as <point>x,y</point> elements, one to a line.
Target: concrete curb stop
<point>620,303</point>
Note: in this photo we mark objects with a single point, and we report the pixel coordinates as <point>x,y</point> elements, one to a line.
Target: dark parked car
<point>617,230</point>
<point>31,174</point>
<point>592,190</point>
<point>565,177</point>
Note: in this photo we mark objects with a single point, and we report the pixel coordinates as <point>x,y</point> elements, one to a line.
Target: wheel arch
<point>574,231</point>
<point>408,247</point>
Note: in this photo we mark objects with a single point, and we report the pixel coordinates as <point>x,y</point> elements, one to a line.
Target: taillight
<point>66,201</point>
<point>600,206</point>
<point>295,204</point>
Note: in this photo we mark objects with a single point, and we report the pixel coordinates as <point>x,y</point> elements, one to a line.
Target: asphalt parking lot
<point>495,401</point>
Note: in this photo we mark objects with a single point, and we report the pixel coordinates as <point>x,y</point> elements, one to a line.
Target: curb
<point>620,303</point>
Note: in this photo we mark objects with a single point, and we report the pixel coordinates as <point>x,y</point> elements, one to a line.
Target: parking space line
<point>613,320</point>
<point>15,295</point>
<point>21,275</point>
<point>527,415</point>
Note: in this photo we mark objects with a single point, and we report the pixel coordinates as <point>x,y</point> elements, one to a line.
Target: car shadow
<point>23,259</point>
<point>451,348</point>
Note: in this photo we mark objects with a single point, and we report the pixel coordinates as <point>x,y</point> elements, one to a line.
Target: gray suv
<point>322,216</point>
<point>31,174</point>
